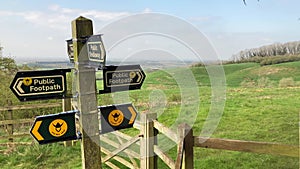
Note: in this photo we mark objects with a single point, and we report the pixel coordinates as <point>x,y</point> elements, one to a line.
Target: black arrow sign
<point>122,78</point>
<point>35,85</point>
<point>116,117</point>
<point>54,127</point>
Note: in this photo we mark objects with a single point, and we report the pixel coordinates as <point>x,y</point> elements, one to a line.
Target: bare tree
<point>276,49</point>
<point>246,3</point>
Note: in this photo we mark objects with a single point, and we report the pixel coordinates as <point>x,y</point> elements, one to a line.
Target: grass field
<point>257,108</point>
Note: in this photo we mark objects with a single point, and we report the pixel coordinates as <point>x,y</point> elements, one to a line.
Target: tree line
<point>270,54</point>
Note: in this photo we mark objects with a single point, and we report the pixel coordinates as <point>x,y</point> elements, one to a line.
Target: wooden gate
<point>150,152</point>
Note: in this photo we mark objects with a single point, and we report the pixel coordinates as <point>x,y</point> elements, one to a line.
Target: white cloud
<point>54,7</point>
<point>6,13</point>
<point>59,18</point>
<point>50,38</point>
<point>202,18</point>
<point>34,17</point>
<point>147,10</point>
<point>46,29</point>
<point>69,11</point>
<point>104,16</point>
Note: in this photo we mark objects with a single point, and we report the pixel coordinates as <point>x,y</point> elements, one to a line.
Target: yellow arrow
<point>140,77</point>
<point>35,131</point>
<point>133,114</point>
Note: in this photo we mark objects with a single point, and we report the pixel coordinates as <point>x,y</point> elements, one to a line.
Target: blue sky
<point>36,30</point>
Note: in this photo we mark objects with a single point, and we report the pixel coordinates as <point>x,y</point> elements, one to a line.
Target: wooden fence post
<point>10,127</point>
<point>87,98</point>
<point>66,106</point>
<point>185,156</point>
<point>148,157</point>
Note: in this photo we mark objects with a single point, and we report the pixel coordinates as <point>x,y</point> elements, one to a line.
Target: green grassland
<point>260,105</point>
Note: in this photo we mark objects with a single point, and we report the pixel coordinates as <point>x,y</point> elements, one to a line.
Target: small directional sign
<point>122,78</point>
<point>95,49</point>
<point>116,117</point>
<point>70,50</point>
<point>54,127</point>
<point>35,85</point>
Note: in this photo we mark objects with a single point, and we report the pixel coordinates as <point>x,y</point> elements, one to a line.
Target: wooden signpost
<point>87,52</point>
<point>87,98</point>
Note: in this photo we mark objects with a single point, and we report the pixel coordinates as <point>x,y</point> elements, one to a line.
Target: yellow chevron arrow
<point>133,115</point>
<point>35,131</point>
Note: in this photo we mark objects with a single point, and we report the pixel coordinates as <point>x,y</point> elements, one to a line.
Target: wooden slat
<point>163,156</point>
<point>111,165</point>
<point>116,145</point>
<point>30,106</point>
<point>16,121</point>
<point>188,155</point>
<point>130,157</point>
<point>124,136</point>
<point>15,135</point>
<point>137,125</point>
<point>149,139</point>
<point>121,148</point>
<point>119,159</point>
<point>166,131</point>
<point>178,163</point>
<point>15,143</point>
<point>247,146</point>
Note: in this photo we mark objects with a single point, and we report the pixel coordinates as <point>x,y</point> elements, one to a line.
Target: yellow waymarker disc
<point>27,81</point>
<point>132,75</point>
<point>58,127</point>
<point>115,117</point>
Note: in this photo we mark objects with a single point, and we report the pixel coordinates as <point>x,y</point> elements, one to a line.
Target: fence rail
<point>16,121</point>
<point>15,135</point>
<point>9,124</point>
<point>247,146</point>
<point>30,106</point>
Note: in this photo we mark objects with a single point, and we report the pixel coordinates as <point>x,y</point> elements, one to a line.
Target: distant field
<point>237,73</point>
<point>257,108</point>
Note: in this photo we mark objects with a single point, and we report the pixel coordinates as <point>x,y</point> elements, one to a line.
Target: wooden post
<point>66,106</point>
<point>185,157</point>
<point>148,157</point>
<point>10,127</point>
<point>87,98</point>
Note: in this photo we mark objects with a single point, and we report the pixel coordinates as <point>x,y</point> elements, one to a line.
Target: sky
<point>36,30</point>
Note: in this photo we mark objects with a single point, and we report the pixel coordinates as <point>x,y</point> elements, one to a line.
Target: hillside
<point>236,74</point>
<point>253,73</point>
<point>258,108</point>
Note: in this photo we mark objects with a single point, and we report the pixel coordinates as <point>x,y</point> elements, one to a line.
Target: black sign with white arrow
<point>35,85</point>
<point>122,78</point>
